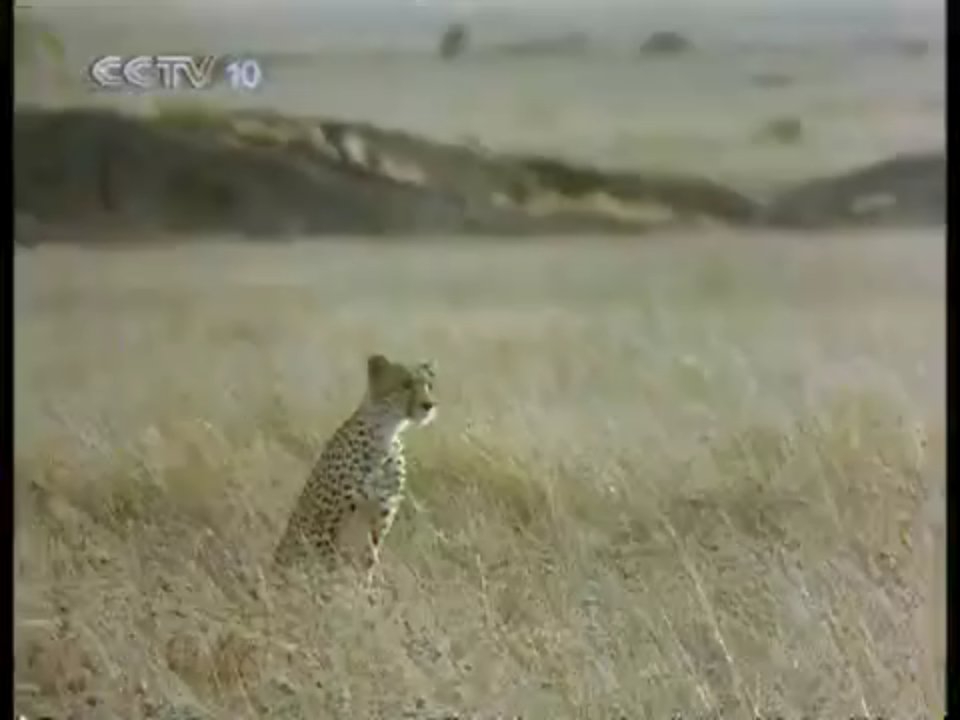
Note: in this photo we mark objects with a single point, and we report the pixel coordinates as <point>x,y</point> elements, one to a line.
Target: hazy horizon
<point>859,93</point>
<point>291,25</point>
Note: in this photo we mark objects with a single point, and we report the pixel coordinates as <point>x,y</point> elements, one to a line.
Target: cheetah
<point>352,496</point>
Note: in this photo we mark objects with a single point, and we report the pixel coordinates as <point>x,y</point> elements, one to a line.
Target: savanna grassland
<point>694,475</point>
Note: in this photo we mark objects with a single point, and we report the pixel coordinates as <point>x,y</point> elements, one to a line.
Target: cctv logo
<point>153,72</point>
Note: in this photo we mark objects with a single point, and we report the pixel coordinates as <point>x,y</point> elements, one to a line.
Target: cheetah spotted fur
<point>351,497</point>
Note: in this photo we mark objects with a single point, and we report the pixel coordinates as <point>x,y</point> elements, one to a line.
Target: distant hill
<point>79,173</point>
<point>904,190</point>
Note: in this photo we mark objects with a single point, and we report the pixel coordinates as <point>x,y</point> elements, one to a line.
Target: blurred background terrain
<point>756,98</point>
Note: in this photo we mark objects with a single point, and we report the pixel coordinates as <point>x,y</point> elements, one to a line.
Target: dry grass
<point>693,475</point>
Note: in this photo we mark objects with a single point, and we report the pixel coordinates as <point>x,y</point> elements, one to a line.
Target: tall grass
<point>690,475</point>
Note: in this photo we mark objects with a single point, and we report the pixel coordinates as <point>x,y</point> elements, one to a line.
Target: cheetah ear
<point>429,368</point>
<point>376,364</point>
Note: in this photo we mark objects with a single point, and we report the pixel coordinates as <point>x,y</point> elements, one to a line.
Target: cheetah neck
<point>384,426</point>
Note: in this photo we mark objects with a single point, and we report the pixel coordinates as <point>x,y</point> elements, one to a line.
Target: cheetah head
<point>406,389</point>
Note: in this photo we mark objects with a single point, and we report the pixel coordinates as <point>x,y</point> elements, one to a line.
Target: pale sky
<point>305,20</point>
<point>879,6</point>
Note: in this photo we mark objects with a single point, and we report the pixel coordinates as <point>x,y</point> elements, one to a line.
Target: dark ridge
<point>906,190</point>
<point>99,174</point>
<point>689,196</point>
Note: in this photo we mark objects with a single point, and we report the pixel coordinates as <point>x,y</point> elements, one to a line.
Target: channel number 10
<point>244,74</point>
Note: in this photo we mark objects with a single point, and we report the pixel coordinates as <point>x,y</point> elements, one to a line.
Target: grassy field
<point>686,475</point>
